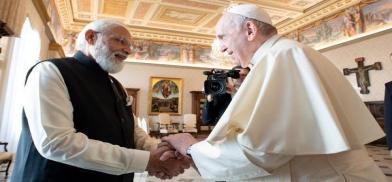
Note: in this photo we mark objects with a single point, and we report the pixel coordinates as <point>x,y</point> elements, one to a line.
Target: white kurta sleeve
<point>50,118</point>
<point>227,161</point>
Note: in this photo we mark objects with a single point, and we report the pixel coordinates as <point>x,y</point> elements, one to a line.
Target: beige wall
<point>375,49</point>
<point>137,75</point>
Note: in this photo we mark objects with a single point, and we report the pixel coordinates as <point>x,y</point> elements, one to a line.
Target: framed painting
<point>165,95</point>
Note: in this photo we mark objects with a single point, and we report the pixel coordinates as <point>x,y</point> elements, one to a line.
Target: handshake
<point>170,158</point>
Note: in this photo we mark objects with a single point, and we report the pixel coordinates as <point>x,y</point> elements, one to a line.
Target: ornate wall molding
<point>65,13</point>
<point>159,35</point>
<point>70,25</point>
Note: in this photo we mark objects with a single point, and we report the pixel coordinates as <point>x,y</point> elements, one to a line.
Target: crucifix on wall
<point>362,73</point>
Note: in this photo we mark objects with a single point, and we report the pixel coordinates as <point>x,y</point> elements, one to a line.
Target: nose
<point>127,50</point>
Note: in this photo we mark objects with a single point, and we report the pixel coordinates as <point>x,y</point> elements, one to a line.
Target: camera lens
<point>216,86</point>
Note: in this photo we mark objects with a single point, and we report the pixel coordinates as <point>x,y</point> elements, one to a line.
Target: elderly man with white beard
<point>77,122</point>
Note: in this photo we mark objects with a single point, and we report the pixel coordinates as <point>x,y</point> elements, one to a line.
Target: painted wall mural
<point>147,51</point>
<point>365,17</point>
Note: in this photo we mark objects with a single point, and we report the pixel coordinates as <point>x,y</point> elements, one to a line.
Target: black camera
<point>216,80</point>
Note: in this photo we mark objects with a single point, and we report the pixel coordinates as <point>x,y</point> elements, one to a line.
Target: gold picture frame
<point>165,95</point>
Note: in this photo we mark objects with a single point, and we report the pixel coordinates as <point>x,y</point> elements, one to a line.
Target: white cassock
<point>295,118</point>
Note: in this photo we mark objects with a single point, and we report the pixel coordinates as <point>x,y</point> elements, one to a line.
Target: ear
<point>251,30</point>
<point>90,37</point>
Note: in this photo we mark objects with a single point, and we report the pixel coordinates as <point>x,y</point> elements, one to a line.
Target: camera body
<point>216,80</point>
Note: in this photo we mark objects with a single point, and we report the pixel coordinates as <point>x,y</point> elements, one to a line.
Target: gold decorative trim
<point>155,34</point>
<point>142,33</point>
<point>315,14</point>
<point>66,16</point>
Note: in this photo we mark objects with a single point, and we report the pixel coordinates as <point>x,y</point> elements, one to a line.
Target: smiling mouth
<point>120,56</point>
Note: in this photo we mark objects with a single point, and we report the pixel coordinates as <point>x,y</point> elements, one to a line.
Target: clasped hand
<point>165,162</point>
<point>170,158</point>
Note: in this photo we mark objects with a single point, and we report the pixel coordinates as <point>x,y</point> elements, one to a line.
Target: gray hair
<point>238,21</point>
<point>102,25</point>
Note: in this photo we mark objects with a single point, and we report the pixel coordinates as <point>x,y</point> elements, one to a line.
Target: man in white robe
<point>295,117</point>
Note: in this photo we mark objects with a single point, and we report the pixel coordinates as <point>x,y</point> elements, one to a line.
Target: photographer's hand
<point>230,86</point>
<point>209,97</point>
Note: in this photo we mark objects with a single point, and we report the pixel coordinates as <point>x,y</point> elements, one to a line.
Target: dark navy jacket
<point>99,111</point>
<point>388,113</point>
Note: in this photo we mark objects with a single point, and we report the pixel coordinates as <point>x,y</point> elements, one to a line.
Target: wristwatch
<point>188,151</point>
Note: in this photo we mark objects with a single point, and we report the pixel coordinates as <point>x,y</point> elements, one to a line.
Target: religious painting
<point>165,52</point>
<point>203,55</point>
<point>309,36</point>
<point>332,29</point>
<point>378,14</point>
<point>325,32</point>
<point>157,52</point>
<point>353,21</point>
<point>165,95</point>
<point>140,49</point>
<point>368,16</point>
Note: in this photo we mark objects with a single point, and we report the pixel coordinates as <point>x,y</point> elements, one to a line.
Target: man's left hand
<point>181,142</point>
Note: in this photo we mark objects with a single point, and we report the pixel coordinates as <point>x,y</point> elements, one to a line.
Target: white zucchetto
<point>251,11</point>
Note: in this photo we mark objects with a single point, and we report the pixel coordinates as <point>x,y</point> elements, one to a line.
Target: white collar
<point>263,48</point>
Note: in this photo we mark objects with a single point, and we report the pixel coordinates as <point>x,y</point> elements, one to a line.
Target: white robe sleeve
<point>227,161</point>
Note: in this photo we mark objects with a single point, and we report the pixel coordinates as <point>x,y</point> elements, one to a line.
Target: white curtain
<point>24,53</point>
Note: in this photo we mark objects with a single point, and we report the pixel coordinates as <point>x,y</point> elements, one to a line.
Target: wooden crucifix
<point>362,73</point>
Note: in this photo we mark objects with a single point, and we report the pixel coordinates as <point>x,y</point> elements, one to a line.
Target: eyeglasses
<point>118,39</point>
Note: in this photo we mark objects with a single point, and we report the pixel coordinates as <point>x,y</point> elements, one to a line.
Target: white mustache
<point>121,53</point>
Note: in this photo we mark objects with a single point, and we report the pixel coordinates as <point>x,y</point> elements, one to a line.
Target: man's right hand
<point>168,168</point>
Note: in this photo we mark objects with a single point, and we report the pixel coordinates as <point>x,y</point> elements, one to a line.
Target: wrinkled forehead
<point>221,25</point>
<point>119,31</point>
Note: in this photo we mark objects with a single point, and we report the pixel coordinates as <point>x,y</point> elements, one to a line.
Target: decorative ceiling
<point>187,21</point>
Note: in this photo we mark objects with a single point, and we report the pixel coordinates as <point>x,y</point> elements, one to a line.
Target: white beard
<point>106,59</point>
